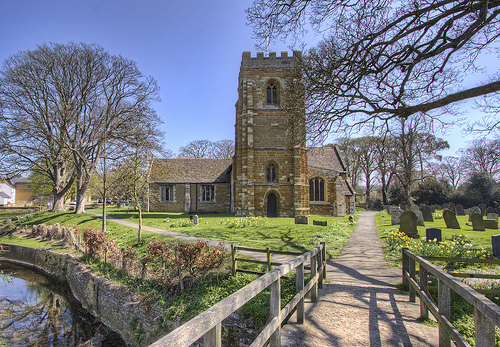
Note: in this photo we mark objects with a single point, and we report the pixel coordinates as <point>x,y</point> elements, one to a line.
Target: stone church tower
<point>269,170</point>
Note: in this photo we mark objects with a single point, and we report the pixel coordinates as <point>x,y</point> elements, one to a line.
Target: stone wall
<point>120,310</point>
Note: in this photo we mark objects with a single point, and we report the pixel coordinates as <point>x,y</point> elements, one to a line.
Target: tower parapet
<point>247,62</point>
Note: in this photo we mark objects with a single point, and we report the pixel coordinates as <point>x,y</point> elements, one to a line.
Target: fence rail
<point>487,313</point>
<point>209,323</point>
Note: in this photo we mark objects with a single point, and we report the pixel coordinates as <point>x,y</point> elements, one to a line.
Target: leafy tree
<point>382,59</point>
<point>431,192</point>
<point>481,188</point>
<point>60,102</point>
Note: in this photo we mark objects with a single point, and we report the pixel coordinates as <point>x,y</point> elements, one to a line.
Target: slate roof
<point>325,158</point>
<point>348,190</point>
<point>187,170</point>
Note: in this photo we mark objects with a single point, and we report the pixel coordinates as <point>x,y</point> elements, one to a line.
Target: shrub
<point>94,239</point>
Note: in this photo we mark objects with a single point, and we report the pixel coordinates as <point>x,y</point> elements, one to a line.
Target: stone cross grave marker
<point>450,218</point>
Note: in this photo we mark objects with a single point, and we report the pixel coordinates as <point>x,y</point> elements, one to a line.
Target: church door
<point>272,206</point>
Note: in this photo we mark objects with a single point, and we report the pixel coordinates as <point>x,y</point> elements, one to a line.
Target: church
<point>271,173</point>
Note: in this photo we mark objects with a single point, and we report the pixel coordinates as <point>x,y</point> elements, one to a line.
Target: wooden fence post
<point>314,271</point>
<point>320,264</point>
<point>405,266</point>
<point>275,310</point>
<point>300,287</point>
<point>233,260</point>
<point>424,284</point>
<point>485,330</point>
<point>324,259</point>
<point>444,308</point>
<point>412,276</point>
<point>214,337</point>
<point>268,251</point>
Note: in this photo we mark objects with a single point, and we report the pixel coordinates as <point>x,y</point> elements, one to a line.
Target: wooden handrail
<point>487,312</point>
<point>208,323</point>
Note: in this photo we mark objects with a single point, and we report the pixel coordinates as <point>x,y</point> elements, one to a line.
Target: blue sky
<point>191,47</point>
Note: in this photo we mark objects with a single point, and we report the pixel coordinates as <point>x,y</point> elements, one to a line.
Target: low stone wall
<point>123,312</point>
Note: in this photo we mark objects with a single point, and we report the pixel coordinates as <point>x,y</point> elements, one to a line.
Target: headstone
<point>473,210</point>
<point>460,210</point>
<point>301,219</point>
<point>426,213</point>
<point>451,207</point>
<point>196,220</point>
<point>477,222</point>
<point>432,234</point>
<point>445,206</point>
<point>403,206</point>
<point>450,219</point>
<point>490,223</point>
<point>396,215</point>
<point>489,209</point>
<point>495,245</point>
<point>483,208</point>
<point>492,216</point>
<point>408,224</point>
<point>322,223</point>
<point>497,210</point>
<point>436,207</point>
<point>420,218</point>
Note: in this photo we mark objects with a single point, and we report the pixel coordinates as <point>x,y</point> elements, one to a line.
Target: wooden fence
<point>487,313</point>
<point>208,324</point>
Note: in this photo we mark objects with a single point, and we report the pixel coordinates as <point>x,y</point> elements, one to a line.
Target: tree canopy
<point>60,104</point>
<point>382,59</point>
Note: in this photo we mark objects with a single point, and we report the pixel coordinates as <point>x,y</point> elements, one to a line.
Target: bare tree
<point>382,59</point>
<point>450,169</point>
<point>223,149</point>
<point>482,156</point>
<point>196,149</point>
<point>67,100</point>
<point>364,149</point>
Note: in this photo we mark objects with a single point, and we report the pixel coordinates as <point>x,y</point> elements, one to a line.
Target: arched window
<point>271,173</point>
<point>316,189</point>
<point>272,94</point>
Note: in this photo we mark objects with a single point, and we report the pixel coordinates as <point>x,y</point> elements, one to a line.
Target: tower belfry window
<point>271,173</point>
<point>272,94</point>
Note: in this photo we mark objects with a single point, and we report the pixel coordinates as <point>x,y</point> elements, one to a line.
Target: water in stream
<point>38,311</point>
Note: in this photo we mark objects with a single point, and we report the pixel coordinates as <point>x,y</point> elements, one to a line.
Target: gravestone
<point>483,208</point>
<point>492,216</point>
<point>495,245</point>
<point>426,213</point>
<point>322,223</point>
<point>445,206</point>
<point>436,207</point>
<point>432,234</point>
<point>420,218</point>
<point>196,220</point>
<point>408,224</point>
<point>489,209</point>
<point>477,222</point>
<point>301,219</point>
<point>450,219</point>
<point>497,211</point>
<point>451,207</point>
<point>460,210</point>
<point>396,215</point>
<point>473,210</point>
<point>490,223</point>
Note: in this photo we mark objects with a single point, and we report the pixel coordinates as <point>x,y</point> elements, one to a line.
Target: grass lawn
<point>5,214</point>
<point>276,233</point>
<point>480,238</point>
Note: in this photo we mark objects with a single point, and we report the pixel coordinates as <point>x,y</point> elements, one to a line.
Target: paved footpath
<point>359,306</point>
